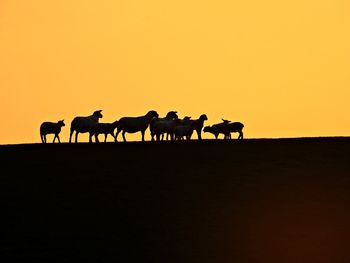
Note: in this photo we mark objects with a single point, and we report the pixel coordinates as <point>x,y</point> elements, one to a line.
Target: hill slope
<point>212,201</point>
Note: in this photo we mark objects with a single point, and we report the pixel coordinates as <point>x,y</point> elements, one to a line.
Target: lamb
<point>135,124</point>
<point>198,124</point>
<point>84,124</point>
<point>225,128</point>
<point>186,131</point>
<point>235,127</point>
<point>104,128</point>
<point>51,128</point>
<point>219,128</point>
<point>159,126</point>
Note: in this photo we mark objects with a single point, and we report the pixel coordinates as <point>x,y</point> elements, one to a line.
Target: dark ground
<point>267,200</point>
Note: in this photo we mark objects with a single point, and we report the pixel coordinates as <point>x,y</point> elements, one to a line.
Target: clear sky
<point>280,67</point>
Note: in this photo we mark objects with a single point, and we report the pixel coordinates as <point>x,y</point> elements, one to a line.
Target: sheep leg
<point>116,134</point>
<point>96,138</point>
<point>240,135</point>
<point>58,138</point>
<point>70,136</point>
<point>199,134</point>
<point>54,138</point>
<point>106,134</point>
<point>42,138</point>
<point>90,137</point>
<point>76,136</point>
<point>123,133</point>
<point>143,135</point>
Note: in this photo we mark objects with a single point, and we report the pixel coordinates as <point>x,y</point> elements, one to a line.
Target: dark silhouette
<point>225,128</point>
<point>84,124</point>
<point>135,124</point>
<point>198,124</point>
<point>159,126</point>
<point>235,127</point>
<point>104,128</point>
<point>51,128</point>
<point>184,131</point>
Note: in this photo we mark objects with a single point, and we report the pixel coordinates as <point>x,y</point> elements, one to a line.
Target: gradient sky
<point>280,67</point>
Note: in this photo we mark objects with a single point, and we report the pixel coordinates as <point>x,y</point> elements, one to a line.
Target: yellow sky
<point>280,67</point>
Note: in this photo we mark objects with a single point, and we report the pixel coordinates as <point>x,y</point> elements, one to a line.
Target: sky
<point>279,67</point>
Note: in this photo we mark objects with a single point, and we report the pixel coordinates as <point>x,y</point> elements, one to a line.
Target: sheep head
<point>172,115</point>
<point>207,129</point>
<point>225,121</point>
<point>203,117</point>
<point>61,123</point>
<point>98,114</point>
<point>152,113</point>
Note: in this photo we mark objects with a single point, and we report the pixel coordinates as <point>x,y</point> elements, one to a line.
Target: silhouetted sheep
<point>225,128</point>
<point>51,128</point>
<point>135,124</point>
<point>198,124</point>
<point>160,126</point>
<point>235,127</point>
<point>104,128</point>
<point>186,131</point>
<point>84,124</point>
<point>217,129</point>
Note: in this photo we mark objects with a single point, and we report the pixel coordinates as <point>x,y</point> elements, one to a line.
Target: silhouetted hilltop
<point>253,200</point>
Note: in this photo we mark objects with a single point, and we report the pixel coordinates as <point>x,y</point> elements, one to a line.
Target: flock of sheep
<point>171,125</point>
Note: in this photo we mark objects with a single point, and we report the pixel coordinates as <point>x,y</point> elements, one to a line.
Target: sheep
<point>51,128</point>
<point>198,124</point>
<point>225,128</point>
<point>84,124</point>
<point>219,128</point>
<point>135,124</point>
<point>159,126</point>
<point>104,128</point>
<point>181,131</point>
<point>235,127</point>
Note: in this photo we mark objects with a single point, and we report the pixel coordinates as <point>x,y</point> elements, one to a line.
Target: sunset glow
<point>281,68</point>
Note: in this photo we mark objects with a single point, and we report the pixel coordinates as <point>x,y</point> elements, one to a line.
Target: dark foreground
<point>212,201</point>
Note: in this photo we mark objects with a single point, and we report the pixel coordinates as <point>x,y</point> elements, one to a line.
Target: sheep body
<point>84,124</point>
<point>198,124</point>
<point>104,128</point>
<point>160,126</point>
<point>135,124</point>
<point>51,128</point>
<point>225,128</point>
<point>217,129</point>
<point>182,131</point>
<point>235,127</point>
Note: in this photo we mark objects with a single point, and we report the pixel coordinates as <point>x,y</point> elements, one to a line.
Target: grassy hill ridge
<point>256,200</point>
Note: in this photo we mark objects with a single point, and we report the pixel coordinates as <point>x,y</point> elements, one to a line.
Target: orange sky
<point>280,67</point>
